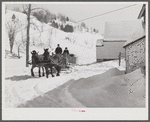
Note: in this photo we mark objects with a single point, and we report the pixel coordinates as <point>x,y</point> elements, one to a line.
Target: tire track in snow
<point>72,102</point>
<point>15,94</point>
<point>67,100</point>
<point>38,91</point>
<point>43,95</point>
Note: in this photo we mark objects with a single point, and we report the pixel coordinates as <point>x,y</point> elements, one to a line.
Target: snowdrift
<point>111,89</point>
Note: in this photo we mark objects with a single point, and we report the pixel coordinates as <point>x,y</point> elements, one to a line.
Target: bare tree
<point>83,24</point>
<point>16,9</point>
<point>13,27</point>
<point>28,37</point>
<point>27,9</point>
<point>61,17</point>
<point>5,9</point>
<point>21,42</point>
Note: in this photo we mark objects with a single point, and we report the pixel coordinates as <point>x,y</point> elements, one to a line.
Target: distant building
<point>115,35</point>
<point>135,46</point>
<point>99,44</point>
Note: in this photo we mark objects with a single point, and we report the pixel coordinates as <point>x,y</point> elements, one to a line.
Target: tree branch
<point>32,17</point>
<point>8,26</point>
<point>20,29</point>
<point>36,27</point>
<point>27,7</point>
<point>37,8</point>
<point>23,8</point>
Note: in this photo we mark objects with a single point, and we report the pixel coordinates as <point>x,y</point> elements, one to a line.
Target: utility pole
<point>28,37</point>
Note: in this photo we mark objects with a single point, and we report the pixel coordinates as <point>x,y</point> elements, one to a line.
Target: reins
<point>51,59</point>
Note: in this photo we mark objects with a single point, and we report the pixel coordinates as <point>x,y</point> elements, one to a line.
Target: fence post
<point>119,58</point>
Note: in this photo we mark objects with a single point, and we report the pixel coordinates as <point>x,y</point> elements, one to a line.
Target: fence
<point>119,56</point>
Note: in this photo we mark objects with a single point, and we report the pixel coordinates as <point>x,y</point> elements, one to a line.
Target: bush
<point>62,28</point>
<point>68,28</point>
<point>44,16</point>
<point>61,17</point>
<point>40,16</point>
<point>55,25</point>
<point>83,24</point>
<point>16,9</point>
<point>67,19</point>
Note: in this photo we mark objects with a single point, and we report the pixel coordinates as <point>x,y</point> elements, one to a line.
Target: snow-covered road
<point>21,87</point>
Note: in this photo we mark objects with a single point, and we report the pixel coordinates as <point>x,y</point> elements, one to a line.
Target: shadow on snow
<point>22,77</point>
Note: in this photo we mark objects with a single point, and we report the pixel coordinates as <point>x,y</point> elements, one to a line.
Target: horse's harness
<point>51,58</point>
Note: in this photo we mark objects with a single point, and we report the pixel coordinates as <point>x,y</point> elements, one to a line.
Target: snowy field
<point>20,86</point>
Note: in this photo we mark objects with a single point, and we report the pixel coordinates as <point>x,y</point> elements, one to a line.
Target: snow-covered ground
<point>20,86</point>
<point>81,44</point>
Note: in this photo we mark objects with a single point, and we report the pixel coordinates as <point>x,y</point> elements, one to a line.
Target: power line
<point>93,16</point>
<point>99,15</point>
<point>105,13</point>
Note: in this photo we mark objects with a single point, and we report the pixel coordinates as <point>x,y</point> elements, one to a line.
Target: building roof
<point>137,34</point>
<point>119,30</point>
<point>142,12</point>
<point>99,42</point>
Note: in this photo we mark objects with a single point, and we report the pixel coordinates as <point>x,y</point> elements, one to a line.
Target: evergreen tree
<point>61,17</point>
<point>83,24</point>
<point>67,19</point>
<point>68,28</point>
<point>94,30</point>
<point>61,27</point>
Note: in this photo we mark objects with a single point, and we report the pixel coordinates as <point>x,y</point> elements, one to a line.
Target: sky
<point>81,10</point>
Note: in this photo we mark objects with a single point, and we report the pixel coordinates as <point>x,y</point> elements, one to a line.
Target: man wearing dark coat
<point>58,50</point>
<point>66,51</point>
<point>66,54</point>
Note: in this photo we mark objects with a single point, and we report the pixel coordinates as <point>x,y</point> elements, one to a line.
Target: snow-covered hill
<point>82,45</point>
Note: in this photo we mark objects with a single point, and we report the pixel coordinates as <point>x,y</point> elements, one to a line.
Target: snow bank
<point>111,89</point>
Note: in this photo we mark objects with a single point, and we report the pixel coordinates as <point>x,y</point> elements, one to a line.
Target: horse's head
<point>46,54</point>
<point>34,56</point>
<point>46,51</point>
<point>34,53</point>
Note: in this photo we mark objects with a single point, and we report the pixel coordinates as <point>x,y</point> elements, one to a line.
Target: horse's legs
<point>46,69</point>
<point>58,68</point>
<point>39,71</point>
<point>43,71</point>
<point>32,73</point>
<point>51,68</point>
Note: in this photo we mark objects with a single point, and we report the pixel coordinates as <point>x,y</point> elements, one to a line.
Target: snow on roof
<point>137,34</point>
<point>99,36</point>
<point>99,42</point>
<point>142,12</point>
<point>120,30</point>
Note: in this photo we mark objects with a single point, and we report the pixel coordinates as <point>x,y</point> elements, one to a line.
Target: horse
<point>52,61</point>
<point>37,62</point>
